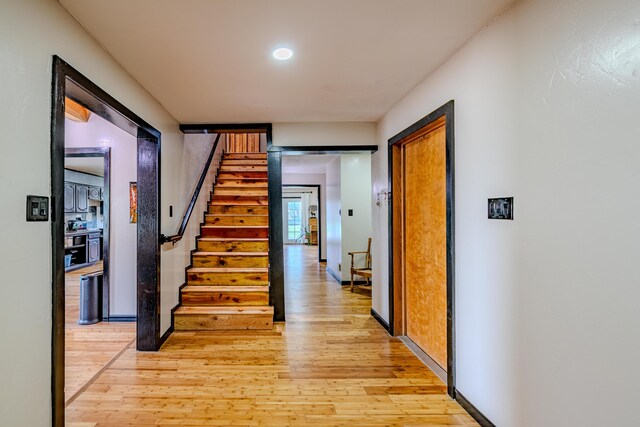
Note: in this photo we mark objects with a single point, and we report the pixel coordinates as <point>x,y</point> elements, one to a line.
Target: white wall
<point>313,179</point>
<point>195,152</point>
<point>123,240</point>
<point>546,109</point>
<point>31,32</point>
<point>332,133</point>
<point>334,223</point>
<point>355,190</point>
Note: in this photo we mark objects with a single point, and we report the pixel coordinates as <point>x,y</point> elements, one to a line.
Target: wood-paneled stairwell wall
<point>243,143</point>
<point>228,280</point>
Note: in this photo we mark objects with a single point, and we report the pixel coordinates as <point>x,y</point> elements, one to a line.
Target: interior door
<point>425,241</point>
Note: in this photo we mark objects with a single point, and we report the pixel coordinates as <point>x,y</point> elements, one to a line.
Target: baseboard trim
<point>166,335</point>
<point>121,318</point>
<point>323,260</point>
<point>380,320</point>
<point>171,329</point>
<point>473,411</point>
<point>355,282</point>
<point>425,358</point>
<point>334,275</point>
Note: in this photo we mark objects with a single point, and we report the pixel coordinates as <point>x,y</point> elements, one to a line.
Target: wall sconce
<point>383,195</point>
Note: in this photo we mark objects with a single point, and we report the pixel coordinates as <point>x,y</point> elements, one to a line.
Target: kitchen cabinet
<point>82,198</point>
<point>94,193</point>
<point>69,197</point>
<point>83,247</point>
<point>77,196</point>
<point>93,251</point>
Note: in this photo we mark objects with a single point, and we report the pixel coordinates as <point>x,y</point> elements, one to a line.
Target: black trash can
<point>90,298</point>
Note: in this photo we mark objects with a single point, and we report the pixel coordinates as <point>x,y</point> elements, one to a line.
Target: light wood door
<point>425,252</point>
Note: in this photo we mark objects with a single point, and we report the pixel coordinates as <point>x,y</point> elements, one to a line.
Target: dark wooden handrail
<point>175,238</point>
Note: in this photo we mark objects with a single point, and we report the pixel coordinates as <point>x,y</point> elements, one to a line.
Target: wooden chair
<point>364,271</point>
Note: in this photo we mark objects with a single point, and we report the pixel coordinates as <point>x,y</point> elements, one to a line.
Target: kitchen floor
<point>89,349</point>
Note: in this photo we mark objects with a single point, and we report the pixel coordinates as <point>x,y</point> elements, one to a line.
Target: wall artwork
<point>501,208</point>
<point>133,202</point>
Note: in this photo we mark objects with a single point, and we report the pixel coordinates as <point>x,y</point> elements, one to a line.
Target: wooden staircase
<point>228,280</point>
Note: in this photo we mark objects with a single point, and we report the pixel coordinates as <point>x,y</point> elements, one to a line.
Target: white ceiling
<point>210,60</point>
<point>92,165</point>
<point>307,163</point>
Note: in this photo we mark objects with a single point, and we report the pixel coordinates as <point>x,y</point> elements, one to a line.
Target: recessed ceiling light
<point>282,54</point>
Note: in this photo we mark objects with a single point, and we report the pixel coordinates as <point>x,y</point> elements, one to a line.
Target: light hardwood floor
<point>88,348</point>
<point>330,364</point>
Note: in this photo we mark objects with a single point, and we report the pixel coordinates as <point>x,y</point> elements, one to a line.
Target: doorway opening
<point>298,169</point>
<point>421,241</point>
<point>70,84</point>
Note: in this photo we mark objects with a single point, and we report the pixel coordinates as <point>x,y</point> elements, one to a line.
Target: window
<point>294,220</point>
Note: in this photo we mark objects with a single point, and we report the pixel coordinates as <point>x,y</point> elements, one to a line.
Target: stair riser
<point>233,183</point>
<point>212,261</point>
<point>252,156</point>
<point>239,168</point>
<point>240,191</point>
<point>239,246</point>
<point>234,198</point>
<point>234,233</point>
<point>244,162</point>
<point>228,279</point>
<point>256,176</point>
<point>238,210</point>
<point>224,298</point>
<point>236,220</point>
<point>204,322</point>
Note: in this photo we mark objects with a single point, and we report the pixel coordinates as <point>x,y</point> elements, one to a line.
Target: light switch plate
<point>501,208</point>
<point>37,208</point>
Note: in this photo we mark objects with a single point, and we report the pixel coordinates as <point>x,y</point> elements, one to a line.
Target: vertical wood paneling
<point>425,260</point>
<point>243,143</point>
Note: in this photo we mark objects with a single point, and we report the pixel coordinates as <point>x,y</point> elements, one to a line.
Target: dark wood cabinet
<point>82,198</point>
<point>69,197</point>
<point>94,193</point>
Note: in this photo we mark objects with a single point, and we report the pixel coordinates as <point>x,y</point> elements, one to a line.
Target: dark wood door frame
<point>105,153</point>
<point>447,111</point>
<point>317,187</point>
<point>276,252</point>
<point>69,82</point>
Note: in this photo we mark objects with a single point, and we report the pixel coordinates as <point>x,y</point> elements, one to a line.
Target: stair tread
<point>234,226</point>
<point>238,214</point>
<point>228,270</point>
<point>244,309</point>
<point>232,253</point>
<point>225,288</point>
<point>233,239</point>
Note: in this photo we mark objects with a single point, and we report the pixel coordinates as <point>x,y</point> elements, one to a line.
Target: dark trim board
<point>121,319</point>
<point>380,320</point>
<point>225,128</point>
<point>318,187</point>
<point>446,110</point>
<point>473,411</point>
<point>322,149</point>
<point>69,82</point>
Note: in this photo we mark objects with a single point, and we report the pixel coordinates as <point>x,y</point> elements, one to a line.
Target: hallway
<point>331,364</point>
